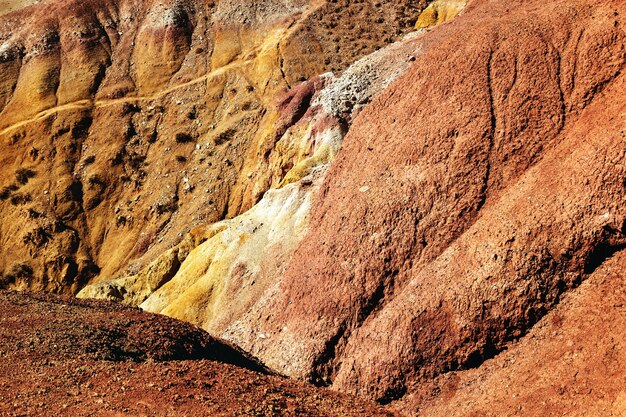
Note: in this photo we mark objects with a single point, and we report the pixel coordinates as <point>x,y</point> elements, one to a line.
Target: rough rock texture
<point>438,12</point>
<point>124,124</point>
<point>494,184</point>
<point>7,6</point>
<point>63,357</point>
<point>243,258</point>
<point>478,198</point>
<point>470,196</point>
<point>572,363</point>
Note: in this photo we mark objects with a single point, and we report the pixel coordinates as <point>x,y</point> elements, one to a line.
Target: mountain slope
<point>571,363</point>
<point>465,201</point>
<point>389,230</point>
<point>493,184</point>
<point>124,124</point>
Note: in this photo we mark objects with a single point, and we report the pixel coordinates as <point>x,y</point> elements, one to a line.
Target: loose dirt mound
<point>62,328</point>
<point>64,357</point>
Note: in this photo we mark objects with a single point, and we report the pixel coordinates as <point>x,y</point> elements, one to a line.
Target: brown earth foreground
<point>60,356</point>
<point>64,357</point>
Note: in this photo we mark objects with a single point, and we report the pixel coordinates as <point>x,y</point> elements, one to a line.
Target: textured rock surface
<point>243,258</point>
<point>404,245</point>
<point>572,363</point>
<point>7,6</point>
<point>125,124</point>
<point>467,199</point>
<point>493,185</point>
<point>438,12</point>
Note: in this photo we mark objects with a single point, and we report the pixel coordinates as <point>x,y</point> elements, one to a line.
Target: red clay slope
<point>570,364</point>
<point>467,199</point>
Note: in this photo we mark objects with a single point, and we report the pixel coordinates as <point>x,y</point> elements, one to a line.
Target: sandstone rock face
<point>466,200</point>
<point>125,124</point>
<point>243,258</point>
<point>438,12</point>
<point>483,201</point>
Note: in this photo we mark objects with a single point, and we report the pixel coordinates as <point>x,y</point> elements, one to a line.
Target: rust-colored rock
<point>571,363</point>
<point>466,200</point>
<point>403,232</point>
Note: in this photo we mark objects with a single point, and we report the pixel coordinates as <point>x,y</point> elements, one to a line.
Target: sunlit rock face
<point>8,6</point>
<point>222,272</point>
<point>127,124</point>
<point>377,211</point>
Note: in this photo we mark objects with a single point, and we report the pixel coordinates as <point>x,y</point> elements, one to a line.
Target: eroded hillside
<point>125,124</point>
<point>417,227</point>
<point>466,201</point>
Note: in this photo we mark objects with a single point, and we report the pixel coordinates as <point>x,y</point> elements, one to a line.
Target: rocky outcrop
<point>438,12</point>
<point>8,6</point>
<point>570,363</point>
<point>435,240</point>
<point>243,258</point>
<point>484,201</point>
<point>388,231</point>
<point>126,124</point>
<point>467,199</point>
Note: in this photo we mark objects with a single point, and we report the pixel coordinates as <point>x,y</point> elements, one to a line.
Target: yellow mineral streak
<point>234,261</point>
<point>8,6</point>
<point>197,280</point>
<point>438,12</point>
<point>242,258</point>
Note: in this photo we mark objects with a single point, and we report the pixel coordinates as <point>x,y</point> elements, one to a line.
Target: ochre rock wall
<point>466,200</point>
<point>124,124</point>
